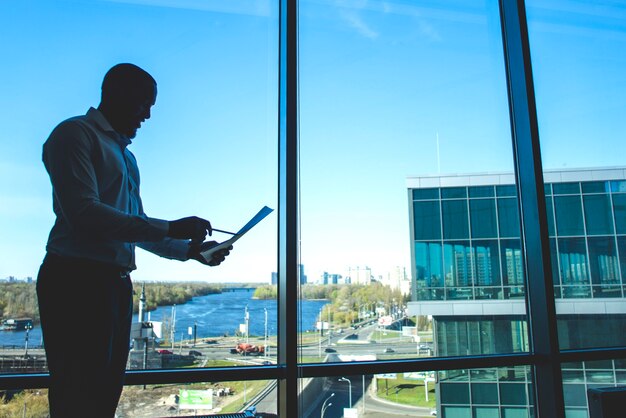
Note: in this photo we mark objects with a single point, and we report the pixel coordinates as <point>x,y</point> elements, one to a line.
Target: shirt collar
<point>95,116</point>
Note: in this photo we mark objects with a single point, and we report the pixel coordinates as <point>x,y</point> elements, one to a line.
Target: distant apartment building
<point>397,279</point>
<point>468,274</point>
<point>359,275</point>
<point>330,278</point>
<point>303,278</point>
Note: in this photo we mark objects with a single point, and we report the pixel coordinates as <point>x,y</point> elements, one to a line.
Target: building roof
<point>502,178</point>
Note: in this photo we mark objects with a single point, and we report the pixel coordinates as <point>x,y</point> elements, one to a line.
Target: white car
<point>433,413</point>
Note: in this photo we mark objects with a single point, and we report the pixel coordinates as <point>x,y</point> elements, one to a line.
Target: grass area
<point>251,388</point>
<point>407,392</point>
<point>31,403</point>
<point>158,400</point>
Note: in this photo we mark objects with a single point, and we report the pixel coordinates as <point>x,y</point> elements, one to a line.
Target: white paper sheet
<point>208,254</point>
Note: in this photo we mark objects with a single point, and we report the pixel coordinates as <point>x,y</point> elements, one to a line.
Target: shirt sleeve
<point>67,157</point>
<point>174,249</point>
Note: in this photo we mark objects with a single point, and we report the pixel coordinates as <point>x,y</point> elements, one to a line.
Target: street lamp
<point>324,406</point>
<point>28,328</point>
<point>343,379</point>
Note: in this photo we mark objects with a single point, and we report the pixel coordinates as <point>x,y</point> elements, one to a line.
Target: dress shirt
<point>95,184</point>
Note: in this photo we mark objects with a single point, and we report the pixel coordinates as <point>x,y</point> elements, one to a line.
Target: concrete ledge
<point>515,307</point>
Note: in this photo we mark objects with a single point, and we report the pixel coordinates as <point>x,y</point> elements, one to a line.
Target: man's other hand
<point>195,249</point>
<point>192,228</point>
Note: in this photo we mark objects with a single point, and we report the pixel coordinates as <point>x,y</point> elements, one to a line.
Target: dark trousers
<point>86,310</point>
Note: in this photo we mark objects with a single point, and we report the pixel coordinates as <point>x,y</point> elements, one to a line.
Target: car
<point>433,413</point>
<point>165,352</point>
<point>330,350</point>
<point>195,353</point>
<point>389,350</point>
<point>267,363</point>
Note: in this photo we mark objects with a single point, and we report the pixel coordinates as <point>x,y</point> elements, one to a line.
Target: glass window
<point>205,61</point>
<point>554,262</point>
<point>425,194</point>
<point>566,188</point>
<point>508,190</point>
<point>483,218</point>
<point>621,247</point>
<point>426,220</point>
<point>573,261</point>
<point>487,262</point>
<point>513,394</point>
<point>456,411</point>
<point>455,393</point>
<point>197,398</point>
<point>618,186</point>
<point>569,218</point>
<point>550,215</point>
<point>604,264</point>
<point>455,219</point>
<point>508,218</point>
<point>578,90</point>
<point>515,413</point>
<point>595,187</point>
<point>575,395</point>
<point>598,214</point>
<point>458,262</point>
<point>485,393</point>
<point>547,189</point>
<point>485,412</point>
<point>453,192</point>
<point>619,207</point>
<point>428,265</point>
<point>512,265</point>
<point>481,191</point>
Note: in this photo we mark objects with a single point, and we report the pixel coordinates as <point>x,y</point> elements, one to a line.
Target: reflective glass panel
<point>598,214</point>
<point>455,219</point>
<point>483,218</point>
<point>403,118</point>
<point>428,224</point>
<point>568,213</point>
<point>508,218</point>
<point>208,149</point>
<point>475,393</point>
<point>243,398</point>
<point>580,89</point>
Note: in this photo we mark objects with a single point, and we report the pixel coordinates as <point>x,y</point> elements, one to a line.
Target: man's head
<point>128,93</point>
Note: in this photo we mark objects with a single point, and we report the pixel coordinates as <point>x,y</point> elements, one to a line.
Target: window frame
<point>545,357</point>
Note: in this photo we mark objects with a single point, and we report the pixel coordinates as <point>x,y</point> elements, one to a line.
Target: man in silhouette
<point>84,288</point>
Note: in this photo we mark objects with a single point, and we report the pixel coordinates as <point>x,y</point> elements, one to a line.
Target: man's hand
<point>192,228</point>
<point>195,249</point>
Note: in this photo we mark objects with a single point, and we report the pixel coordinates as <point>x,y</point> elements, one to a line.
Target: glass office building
<point>468,275</point>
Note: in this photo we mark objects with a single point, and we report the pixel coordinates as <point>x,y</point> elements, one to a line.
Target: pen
<point>225,232</point>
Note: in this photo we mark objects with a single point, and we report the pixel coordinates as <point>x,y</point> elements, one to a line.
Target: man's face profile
<point>135,109</point>
<point>128,94</point>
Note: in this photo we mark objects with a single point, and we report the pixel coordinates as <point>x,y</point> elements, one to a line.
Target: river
<point>214,315</point>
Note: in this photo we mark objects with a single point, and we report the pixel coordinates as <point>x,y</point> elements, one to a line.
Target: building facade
<point>468,273</point>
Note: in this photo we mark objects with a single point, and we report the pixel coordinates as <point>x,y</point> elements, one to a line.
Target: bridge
<point>238,289</point>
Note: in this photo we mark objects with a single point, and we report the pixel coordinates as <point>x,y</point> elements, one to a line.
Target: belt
<point>124,272</point>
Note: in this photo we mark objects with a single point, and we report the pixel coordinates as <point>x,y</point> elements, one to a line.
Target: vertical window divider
<point>288,384</point>
<point>535,242</point>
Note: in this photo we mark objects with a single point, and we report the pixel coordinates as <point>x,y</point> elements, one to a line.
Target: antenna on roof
<point>438,156</point>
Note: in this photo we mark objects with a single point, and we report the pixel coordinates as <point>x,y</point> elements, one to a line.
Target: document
<point>208,254</point>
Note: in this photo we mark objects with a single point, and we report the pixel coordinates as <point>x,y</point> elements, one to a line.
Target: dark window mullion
<point>288,404</point>
<point>535,243</point>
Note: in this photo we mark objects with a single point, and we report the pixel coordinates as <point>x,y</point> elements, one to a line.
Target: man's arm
<point>184,250</point>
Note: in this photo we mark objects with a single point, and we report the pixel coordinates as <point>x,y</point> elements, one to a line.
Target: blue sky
<point>379,81</point>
